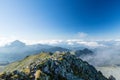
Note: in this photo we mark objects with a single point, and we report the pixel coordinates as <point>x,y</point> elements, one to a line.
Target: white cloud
<point>92,44</point>
<point>70,42</point>
<point>5,40</point>
<point>48,42</point>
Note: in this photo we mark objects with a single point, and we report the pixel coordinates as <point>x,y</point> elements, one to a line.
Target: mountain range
<point>101,56</point>
<point>17,50</point>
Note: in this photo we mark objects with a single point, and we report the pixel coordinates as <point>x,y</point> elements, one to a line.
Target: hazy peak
<point>16,43</point>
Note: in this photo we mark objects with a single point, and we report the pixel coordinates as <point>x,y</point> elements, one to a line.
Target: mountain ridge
<point>59,66</point>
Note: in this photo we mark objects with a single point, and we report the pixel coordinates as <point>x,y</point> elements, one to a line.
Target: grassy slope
<point>25,62</point>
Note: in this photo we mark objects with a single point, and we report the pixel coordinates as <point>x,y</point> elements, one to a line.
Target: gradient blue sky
<point>59,19</point>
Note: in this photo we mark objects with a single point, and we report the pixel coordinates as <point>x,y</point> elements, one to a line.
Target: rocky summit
<point>47,66</point>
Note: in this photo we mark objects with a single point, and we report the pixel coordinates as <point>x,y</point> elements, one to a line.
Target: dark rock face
<point>56,67</point>
<point>111,78</point>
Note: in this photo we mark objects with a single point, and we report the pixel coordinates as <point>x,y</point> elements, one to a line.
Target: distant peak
<point>16,43</point>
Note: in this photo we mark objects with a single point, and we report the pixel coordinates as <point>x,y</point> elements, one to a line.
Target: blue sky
<point>60,19</point>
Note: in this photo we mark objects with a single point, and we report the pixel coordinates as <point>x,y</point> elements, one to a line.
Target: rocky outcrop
<point>62,66</point>
<point>111,78</point>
